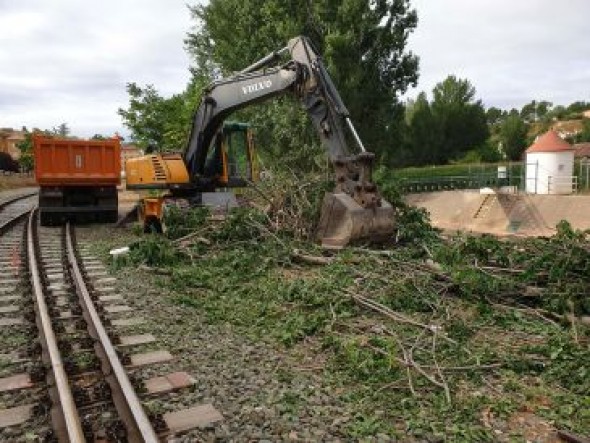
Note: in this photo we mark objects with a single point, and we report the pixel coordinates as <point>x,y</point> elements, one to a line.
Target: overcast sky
<point>69,60</point>
<point>513,51</point>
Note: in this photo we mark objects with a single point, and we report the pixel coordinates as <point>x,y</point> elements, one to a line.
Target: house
<point>9,139</point>
<point>582,151</point>
<point>550,165</point>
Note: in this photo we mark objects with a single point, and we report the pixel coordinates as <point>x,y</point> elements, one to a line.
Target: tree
<point>63,130</point>
<point>363,43</point>
<point>513,136</point>
<point>461,119</point>
<point>584,135</point>
<point>25,147</point>
<point>159,122</point>
<point>449,126</point>
<point>7,163</point>
<point>578,107</point>
<point>558,112</point>
<point>495,116</point>
<point>147,115</point>
<point>535,111</point>
<point>423,134</point>
<point>529,112</point>
<point>543,109</point>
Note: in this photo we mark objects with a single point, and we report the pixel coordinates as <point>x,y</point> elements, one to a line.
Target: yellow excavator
<point>231,163</point>
<point>220,154</point>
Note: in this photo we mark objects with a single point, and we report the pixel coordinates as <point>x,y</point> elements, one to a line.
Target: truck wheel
<point>112,216</point>
<point>45,219</point>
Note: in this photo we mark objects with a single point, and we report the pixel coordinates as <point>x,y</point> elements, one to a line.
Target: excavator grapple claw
<point>344,221</point>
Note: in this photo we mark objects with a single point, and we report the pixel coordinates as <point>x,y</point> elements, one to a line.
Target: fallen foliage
<point>436,330</point>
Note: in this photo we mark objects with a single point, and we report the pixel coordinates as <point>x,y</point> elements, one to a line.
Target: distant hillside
<point>566,128</point>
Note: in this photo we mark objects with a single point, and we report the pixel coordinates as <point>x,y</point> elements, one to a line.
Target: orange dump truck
<point>77,179</point>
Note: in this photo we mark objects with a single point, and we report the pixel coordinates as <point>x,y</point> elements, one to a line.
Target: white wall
<point>549,172</point>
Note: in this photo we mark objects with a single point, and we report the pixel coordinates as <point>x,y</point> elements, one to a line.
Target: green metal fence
<point>444,178</point>
<point>477,176</point>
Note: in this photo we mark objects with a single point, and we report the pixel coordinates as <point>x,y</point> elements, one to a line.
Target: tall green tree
<point>460,117</point>
<point>424,141</point>
<point>362,41</point>
<point>26,160</point>
<point>160,122</point>
<point>513,137</point>
<point>529,112</point>
<point>535,111</point>
<point>543,109</point>
<point>577,107</point>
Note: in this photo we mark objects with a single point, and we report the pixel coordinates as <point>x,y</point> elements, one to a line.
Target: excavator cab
<point>232,161</point>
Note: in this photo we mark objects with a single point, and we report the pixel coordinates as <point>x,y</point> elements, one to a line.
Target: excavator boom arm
<point>304,76</point>
<point>222,99</point>
<point>355,209</point>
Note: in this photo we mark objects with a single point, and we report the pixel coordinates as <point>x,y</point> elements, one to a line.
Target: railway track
<point>14,209</point>
<point>70,375</point>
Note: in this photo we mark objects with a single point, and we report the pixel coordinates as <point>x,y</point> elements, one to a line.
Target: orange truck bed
<point>65,162</point>
<point>77,179</point>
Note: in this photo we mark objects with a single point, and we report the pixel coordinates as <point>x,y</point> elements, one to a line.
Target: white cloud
<point>69,61</point>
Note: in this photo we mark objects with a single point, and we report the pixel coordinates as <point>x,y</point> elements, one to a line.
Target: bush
<point>155,250</point>
<point>413,224</point>
<point>7,163</point>
<point>26,162</point>
<point>181,222</point>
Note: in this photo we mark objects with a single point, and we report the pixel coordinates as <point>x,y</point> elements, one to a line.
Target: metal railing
<point>446,183</point>
<point>562,184</point>
<point>485,175</point>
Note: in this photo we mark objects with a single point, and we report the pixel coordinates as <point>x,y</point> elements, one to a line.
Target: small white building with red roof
<point>550,165</point>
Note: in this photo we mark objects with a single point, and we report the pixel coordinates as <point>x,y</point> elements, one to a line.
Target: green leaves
<point>363,44</point>
<point>513,136</point>
<point>154,250</point>
<point>179,222</point>
<point>446,128</point>
<point>160,122</point>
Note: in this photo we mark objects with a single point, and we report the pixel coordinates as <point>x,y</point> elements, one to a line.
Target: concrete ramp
<point>448,209</point>
<point>503,214</point>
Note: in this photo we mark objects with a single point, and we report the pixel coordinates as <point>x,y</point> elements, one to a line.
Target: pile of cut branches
<point>291,202</point>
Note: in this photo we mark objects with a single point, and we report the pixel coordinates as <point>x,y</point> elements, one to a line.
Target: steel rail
<point>7,224</point>
<point>66,400</point>
<point>11,200</point>
<point>139,427</point>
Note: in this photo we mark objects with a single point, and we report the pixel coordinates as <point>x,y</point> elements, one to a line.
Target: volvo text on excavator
<point>354,210</point>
